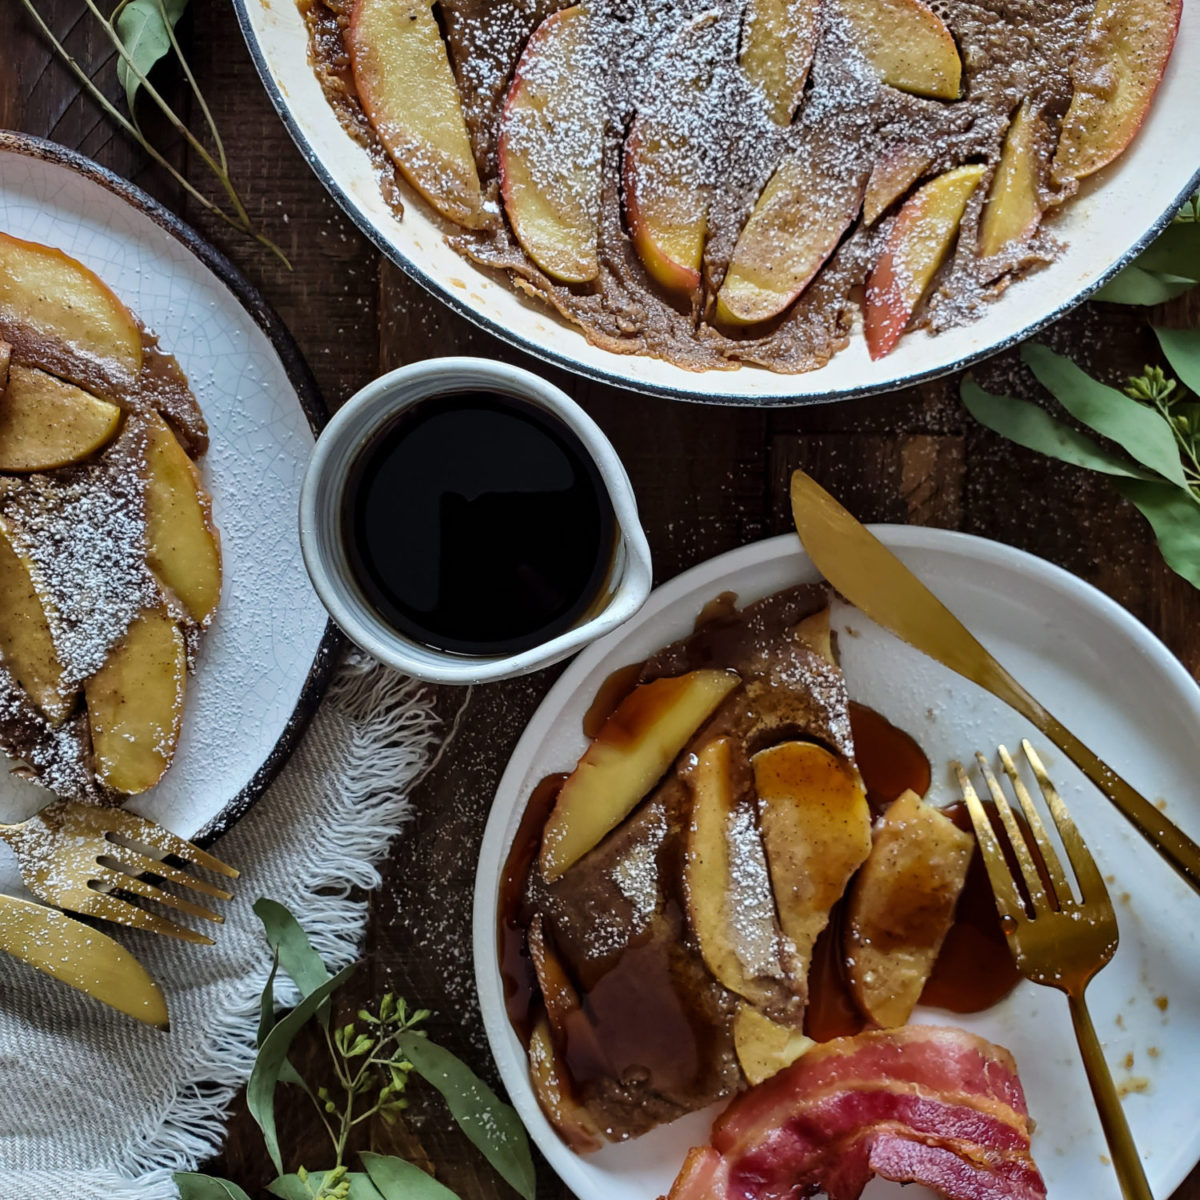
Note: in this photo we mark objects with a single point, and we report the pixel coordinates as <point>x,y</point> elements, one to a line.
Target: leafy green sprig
<point>1153,387</point>
<point>1166,269</point>
<point>142,33</point>
<point>371,1060</point>
<point>1150,432</point>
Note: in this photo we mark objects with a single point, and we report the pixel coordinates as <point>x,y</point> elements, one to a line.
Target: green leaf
<point>266,1005</point>
<point>292,1187</point>
<point>1136,428</point>
<point>266,1021</point>
<point>1023,422</point>
<point>208,1187</point>
<point>260,1091</point>
<point>142,26</point>
<point>1134,285</point>
<point>396,1179</point>
<point>492,1125</point>
<point>296,955</point>
<point>1182,348</point>
<point>1174,515</point>
<point>1176,251</point>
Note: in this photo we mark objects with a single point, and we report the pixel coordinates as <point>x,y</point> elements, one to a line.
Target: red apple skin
<point>924,230</point>
<point>679,278</point>
<point>1116,73</point>
<point>569,255</point>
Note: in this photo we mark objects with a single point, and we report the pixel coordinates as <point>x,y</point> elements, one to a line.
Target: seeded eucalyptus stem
<point>240,218</point>
<point>383,1070</point>
<point>1155,388</point>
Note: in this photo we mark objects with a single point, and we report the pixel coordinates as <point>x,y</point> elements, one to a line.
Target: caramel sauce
<point>722,607</point>
<point>516,967</point>
<point>612,691</point>
<point>974,968</point>
<point>889,760</point>
<point>607,1036</point>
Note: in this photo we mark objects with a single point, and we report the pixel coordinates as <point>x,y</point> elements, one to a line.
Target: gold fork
<point>1055,939</point>
<point>75,856</point>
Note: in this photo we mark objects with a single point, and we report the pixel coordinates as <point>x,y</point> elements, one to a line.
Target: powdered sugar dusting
<point>83,530</point>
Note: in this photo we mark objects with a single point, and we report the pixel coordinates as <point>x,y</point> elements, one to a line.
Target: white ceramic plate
<point>1118,688</point>
<point>263,663</point>
<point>1114,218</point>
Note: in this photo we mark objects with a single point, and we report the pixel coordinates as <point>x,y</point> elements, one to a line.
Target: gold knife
<point>75,953</point>
<point>875,581</point>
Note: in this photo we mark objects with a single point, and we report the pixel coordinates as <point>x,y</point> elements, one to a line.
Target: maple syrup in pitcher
<point>477,523</point>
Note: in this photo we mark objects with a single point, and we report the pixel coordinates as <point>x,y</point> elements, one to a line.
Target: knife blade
<point>76,954</point>
<point>877,583</point>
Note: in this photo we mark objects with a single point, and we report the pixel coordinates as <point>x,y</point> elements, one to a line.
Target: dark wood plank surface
<point>707,479</point>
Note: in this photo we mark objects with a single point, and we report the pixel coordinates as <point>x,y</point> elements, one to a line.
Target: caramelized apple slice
<point>182,546</point>
<point>5,363</point>
<point>558,992</point>
<point>726,884</point>
<point>795,226</point>
<point>135,702</point>
<point>551,139</point>
<point>764,1047</point>
<point>815,633</point>
<point>817,832</point>
<point>891,177</point>
<point>665,185</point>
<point>57,298</point>
<point>1013,208</point>
<point>46,423</point>
<point>916,246</point>
<point>1116,73</point>
<point>901,907</point>
<point>407,88</point>
<point>908,44</point>
<point>630,754</point>
<point>555,1094</point>
<point>26,643</point>
<point>778,40</point>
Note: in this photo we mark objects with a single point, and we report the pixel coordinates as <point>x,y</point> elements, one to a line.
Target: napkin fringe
<point>387,736</point>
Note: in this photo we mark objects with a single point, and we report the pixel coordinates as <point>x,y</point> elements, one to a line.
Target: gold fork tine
<point>1034,886</point>
<point>127,859</point>
<point>108,907</point>
<point>1008,901</point>
<point>1091,881</point>
<point>155,837</point>
<point>1061,948</point>
<point>1054,867</point>
<point>72,854</point>
<point>139,887</point>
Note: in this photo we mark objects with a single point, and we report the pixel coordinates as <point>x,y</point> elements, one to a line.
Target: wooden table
<point>707,479</point>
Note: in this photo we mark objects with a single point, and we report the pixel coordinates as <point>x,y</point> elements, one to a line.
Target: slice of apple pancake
<point>109,561</point>
<point>662,941</point>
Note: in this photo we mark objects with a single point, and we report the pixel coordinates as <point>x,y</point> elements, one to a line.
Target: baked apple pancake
<point>740,865</point>
<point>716,182</point>
<point>110,565</point>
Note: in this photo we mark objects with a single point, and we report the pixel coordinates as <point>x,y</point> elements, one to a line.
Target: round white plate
<point>1115,217</point>
<point>1115,685</point>
<point>263,663</point>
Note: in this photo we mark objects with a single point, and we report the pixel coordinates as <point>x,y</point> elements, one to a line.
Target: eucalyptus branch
<point>177,50</point>
<point>239,219</point>
<point>172,117</point>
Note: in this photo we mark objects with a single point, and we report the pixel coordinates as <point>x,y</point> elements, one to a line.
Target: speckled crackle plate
<point>1116,686</point>
<point>264,662</point>
<point>1117,214</point>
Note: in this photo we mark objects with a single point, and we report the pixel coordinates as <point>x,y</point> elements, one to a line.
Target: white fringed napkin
<point>97,1107</point>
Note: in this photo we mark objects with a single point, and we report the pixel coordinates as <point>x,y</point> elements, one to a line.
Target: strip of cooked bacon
<point>920,1104</point>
